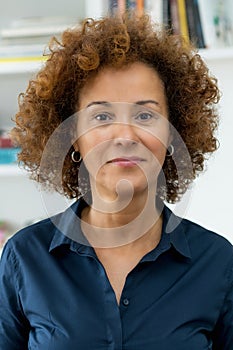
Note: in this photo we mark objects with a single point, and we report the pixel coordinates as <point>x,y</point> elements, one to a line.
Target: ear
<point>76,147</point>
<point>170,139</point>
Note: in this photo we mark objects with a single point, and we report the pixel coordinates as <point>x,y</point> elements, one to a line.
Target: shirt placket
<point>112,312</point>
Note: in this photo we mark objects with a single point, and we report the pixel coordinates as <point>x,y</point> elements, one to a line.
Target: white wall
<point>210,202</point>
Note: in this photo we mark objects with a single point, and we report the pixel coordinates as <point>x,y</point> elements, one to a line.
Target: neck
<point>135,249</point>
<point>132,225</point>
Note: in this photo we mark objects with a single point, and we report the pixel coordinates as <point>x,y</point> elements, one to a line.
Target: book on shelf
<point>27,39</point>
<point>183,19</point>
<point>8,155</point>
<point>166,14</point>
<point>174,13</point>
<point>207,22</point>
<point>120,6</point>
<point>131,4</point>
<point>5,140</point>
<point>32,30</point>
<point>113,6</point>
<point>194,24</point>
<point>8,152</point>
<point>140,6</point>
<point>217,23</point>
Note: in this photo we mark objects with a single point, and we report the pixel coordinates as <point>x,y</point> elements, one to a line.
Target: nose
<point>125,135</point>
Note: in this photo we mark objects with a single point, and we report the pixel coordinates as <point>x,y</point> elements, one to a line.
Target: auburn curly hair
<point>115,42</point>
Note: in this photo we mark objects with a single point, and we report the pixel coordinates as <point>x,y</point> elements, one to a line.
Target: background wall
<point>211,201</point>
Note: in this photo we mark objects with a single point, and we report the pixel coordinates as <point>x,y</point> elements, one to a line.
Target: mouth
<point>126,161</point>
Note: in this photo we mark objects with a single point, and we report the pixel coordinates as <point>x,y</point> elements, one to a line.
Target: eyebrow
<point>144,102</point>
<point>98,103</point>
<point>108,104</point>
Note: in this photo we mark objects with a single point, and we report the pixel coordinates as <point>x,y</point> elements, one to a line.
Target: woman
<point>120,118</point>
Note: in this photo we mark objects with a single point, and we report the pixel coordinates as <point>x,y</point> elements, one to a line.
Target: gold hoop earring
<point>73,157</point>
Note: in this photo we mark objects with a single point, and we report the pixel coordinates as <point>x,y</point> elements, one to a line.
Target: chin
<point>127,188</point>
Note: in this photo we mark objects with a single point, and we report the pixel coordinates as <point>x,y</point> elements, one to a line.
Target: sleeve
<point>14,328</point>
<point>223,334</point>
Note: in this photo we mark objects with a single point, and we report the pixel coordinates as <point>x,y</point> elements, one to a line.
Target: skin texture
<point>115,140</point>
<point>121,190</point>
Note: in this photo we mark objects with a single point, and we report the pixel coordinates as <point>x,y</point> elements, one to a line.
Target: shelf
<point>8,170</point>
<point>20,66</point>
<point>217,54</point>
<point>31,65</point>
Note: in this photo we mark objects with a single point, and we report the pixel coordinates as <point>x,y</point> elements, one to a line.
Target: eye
<point>144,116</point>
<point>103,117</point>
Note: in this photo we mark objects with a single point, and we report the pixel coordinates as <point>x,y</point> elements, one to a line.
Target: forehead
<point>126,84</point>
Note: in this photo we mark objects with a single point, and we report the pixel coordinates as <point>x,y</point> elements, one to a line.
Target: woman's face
<point>123,128</point>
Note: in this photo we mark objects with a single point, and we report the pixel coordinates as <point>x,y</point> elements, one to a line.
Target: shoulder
<point>201,242</point>
<point>32,237</point>
<point>194,232</point>
<point>39,237</point>
<point>205,242</point>
<point>197,231</point>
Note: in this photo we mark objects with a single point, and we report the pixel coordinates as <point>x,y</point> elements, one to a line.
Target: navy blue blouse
<point>55,294</point>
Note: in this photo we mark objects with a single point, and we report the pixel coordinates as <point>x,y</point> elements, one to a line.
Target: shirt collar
<point>68,228</point>
<point>175,227</point>
<point>68,231</point>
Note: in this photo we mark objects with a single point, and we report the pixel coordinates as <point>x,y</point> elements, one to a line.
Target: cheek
<point>157,148</point>
<point>91,147</point>
<point>88,143</point>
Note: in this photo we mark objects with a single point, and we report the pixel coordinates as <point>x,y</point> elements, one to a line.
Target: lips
<point>126,161</point>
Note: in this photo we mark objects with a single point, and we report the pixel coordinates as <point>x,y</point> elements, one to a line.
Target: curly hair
<point>53,95</point>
